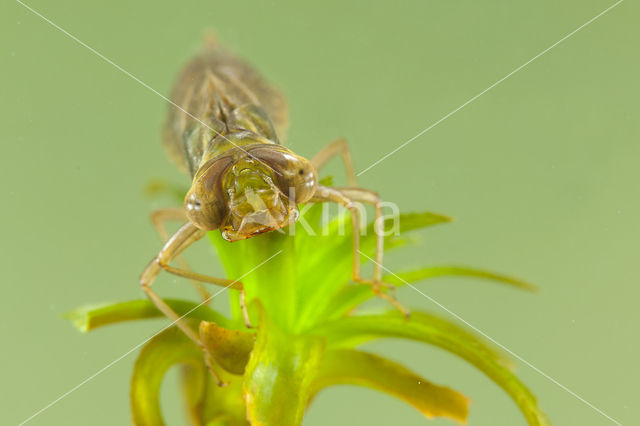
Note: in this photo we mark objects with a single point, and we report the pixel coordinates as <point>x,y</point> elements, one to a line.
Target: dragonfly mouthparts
<point>256,206</point>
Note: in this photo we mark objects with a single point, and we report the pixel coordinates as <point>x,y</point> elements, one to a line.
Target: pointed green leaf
<point>439,332</point>
<point>87,318</point>
<point>351,296</point>
<point>336,249</point>
<point>347,366</point>
<point>421,326</point>
<point>396,242</point>
<point>412,221</point>
<point>402,278</point>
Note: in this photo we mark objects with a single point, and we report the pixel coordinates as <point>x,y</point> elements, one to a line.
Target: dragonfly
<point>223,130</point>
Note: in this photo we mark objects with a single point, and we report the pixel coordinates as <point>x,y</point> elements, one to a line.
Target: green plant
<point>307,328</point>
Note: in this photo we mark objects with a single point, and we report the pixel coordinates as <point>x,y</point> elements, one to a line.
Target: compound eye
<point>192,203</point>
<point>206,212</point>
<point>205,203</point>
<point>296,176</point>
<point>304,181</point>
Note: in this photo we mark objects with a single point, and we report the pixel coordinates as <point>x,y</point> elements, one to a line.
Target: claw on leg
<point>346,198</point>
<point>377,288</point>
<point>209,362</point>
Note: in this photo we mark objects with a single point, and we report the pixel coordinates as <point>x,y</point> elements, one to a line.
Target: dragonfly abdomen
<point>219,95</point>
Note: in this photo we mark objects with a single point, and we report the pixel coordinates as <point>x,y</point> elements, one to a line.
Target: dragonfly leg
<point>209,362</point>
<point>341,147</point>
<point>372,198</point>
<point>158,219</point>
<point>366,196</point>
<point>347,197</point>
<point>183,238</point>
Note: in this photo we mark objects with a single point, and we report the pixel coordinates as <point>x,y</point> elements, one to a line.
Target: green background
<point>540,173</point>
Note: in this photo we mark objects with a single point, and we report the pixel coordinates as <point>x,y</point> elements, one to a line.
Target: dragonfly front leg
<point>347,197</point>
<point>159,218</point>
<point>183,238</point>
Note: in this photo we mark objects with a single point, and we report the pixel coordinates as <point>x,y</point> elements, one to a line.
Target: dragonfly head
<point>256,203</point>
<point>250,193</point>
